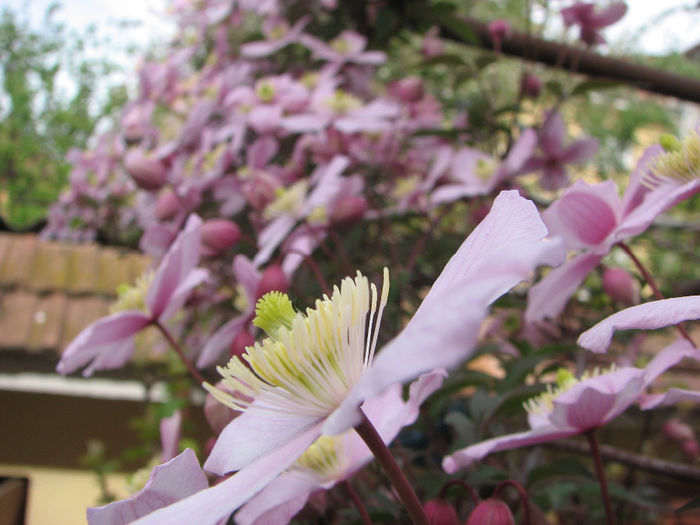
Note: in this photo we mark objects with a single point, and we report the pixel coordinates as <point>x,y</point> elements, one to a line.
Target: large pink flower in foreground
<point>315,370</point>
<point>592,219</point>
<point>157,296</point>
<point>577,406</point>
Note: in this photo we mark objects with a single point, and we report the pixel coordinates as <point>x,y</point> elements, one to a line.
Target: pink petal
<point>260,152</point>
<point>220,341</point>
<point>597,400</point>
<point>177,479</point>
<point>671,397</point>
<point>212,504</point>
<point>549,296</point>
<point>552,135</point>
<point>465,457</point>
<point>182,257</point>
<point>519,154</point>
<point>585,214</point>
<point>636,191</point>
<point>100,336</point>
<point>609,15</point>
<point>279,502</point>
<point>579,151</point>
<point>271,236</point>
<point>256,432</point>
<point>648,316</point>
<point>170,435</point>
<point>668,357</point>
<point>189,281</point>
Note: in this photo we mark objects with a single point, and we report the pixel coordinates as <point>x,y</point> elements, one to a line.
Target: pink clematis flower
<point>340,456</point>
<point>475,173</point>
<point>348,46</point>
<point>555,156</point>
<point>304,396</point>
<point>278,35</point>
<point>170,482</point>
<point>592,219</point>
<point>590,22</point>
<point>577,406</point>
<point>108,342</point>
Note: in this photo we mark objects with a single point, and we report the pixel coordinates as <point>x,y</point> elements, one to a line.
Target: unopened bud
<point>491,512</point>
<point>621,286</point>
<point>677,430</point>
<point>167,206</point>
<point>440,512</point>
<point>498,29</point>
<point>148,173</point>
<point>531,85</point>
<point>349,210</point>
<point>219,235</point>
<point>691,449</point>
<point>408,89</point>
<point>243,340</point>
<point>273,278</point>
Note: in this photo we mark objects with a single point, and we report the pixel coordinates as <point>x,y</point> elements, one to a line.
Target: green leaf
<point>449,59</point>
<point>569,467</point>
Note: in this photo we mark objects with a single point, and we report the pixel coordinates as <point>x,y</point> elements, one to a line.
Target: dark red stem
<point>355,497</point>
<point>600,472</point>
<point>381,453</point>
<point>178,350</point>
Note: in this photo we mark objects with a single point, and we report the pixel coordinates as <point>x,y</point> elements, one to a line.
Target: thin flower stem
<point>654,287</point>
<point>358,502</point>
<point>178,350</point>
<point>315,269</point>
<point>376,444</point>
<point>600,471</point>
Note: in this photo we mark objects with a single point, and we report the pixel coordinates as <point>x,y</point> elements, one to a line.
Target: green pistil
<point>273,311</point>
<point>670,143</point>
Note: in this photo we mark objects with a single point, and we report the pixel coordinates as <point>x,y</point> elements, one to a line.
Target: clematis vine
<point>312,373</point>
<point>156,297</point>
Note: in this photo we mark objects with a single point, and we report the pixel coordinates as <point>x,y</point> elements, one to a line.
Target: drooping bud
<point>148,173</point>
<point>691,449</point>
<point>167,206</point>
<point>219,235</point>
<point>440,512</point>
<point>498,29</point>
<point>677,430</point>
<point>621,286</point>
<point>491,512</point>
<point>349,210</point>
<point>273,278</point>
<point>530,85</point>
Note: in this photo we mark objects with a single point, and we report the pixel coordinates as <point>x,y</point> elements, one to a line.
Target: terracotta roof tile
<point>50,291</point>
<point>16,317</point>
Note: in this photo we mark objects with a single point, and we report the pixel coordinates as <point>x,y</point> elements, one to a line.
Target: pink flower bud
<point>531,85</point>
<point>272,279</point>
<point>440,512</point>
<point>677,430</point>
<point>408,89</point>
<point>219,235</point>
<point>167,206</point>
<point>349,210</point>
<point>432,44</point>
<point>691,449</point>
<point>491,512</point>
<point>148,173</point>
<point>260,190</point>
<point>242,340</point>
<point>621,286</point>
<point>499,29</point>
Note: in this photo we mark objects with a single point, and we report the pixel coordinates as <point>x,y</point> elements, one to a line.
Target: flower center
<point>133,297</point>
<point>679,164</point>
<point>543,404</point>
<point>323,457</point>
<point>309,361</point>
<point>288,201</point>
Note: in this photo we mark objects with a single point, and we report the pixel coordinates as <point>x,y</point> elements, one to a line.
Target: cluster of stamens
<point>679,164</point>
<point>308,361</point>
